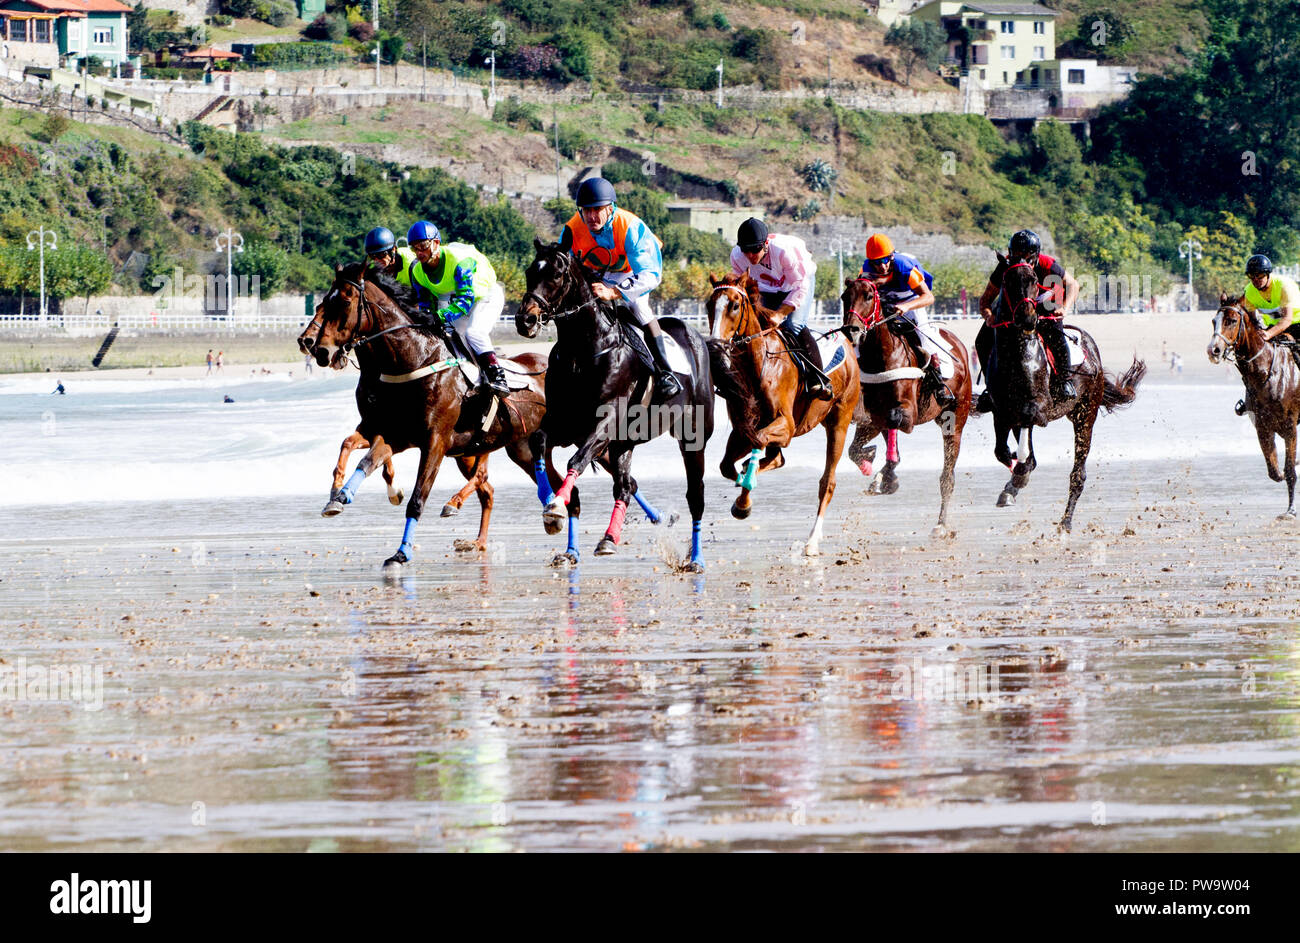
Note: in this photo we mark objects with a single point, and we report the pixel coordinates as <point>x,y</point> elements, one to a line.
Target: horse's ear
<point>1223,298</point>
<point>1001,258</point>
<point>714,280</point>
<point>338,269</point>
<point>849,280</point>
<point>538,245</point>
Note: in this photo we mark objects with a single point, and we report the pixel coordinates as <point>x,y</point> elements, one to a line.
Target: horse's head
<point>731,306</point>
<point>1020,290</point>
<point>1233,328</point>
<point>861,303</point>
<point>339,317</point>
<point>548,279</point>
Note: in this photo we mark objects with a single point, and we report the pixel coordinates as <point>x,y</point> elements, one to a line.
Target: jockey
<point>786,274</point>
<point>462,288</point>
<point>1060,292</point>
<point>382,249</point>
<point>1276,299</point>
<point>623,257</point>
<point>906,287</point>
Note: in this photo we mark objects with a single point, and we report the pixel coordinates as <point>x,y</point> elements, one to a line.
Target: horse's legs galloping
<point>1003,454</point>
<point>618,461</point>
<point>951,448</point>
<point>339,497</point>
<point>860,453</point>
<point>548,483</point>
<point>837,430</point>
<point>693,459</point>
<point>1288,439</point>
<point>395,494</point>
<point>472,467</point>
<point>553,514</point>
<point>430,459</point>
<point>1268,446</point>
<point>1084,418</point>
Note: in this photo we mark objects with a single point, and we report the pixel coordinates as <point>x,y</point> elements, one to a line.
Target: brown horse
<point>756,375</point>
<point>1020,387</point>
<point>474,468</point>
<point>1272,381</point>
<point>423,397</point>
<point>891,392</point>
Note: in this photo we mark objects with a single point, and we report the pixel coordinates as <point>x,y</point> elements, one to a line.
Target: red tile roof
<point>81,6</point>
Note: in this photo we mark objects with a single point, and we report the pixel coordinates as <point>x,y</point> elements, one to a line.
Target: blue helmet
<point>379,239</point>
<point>421,231</point>
<point>595,191</point>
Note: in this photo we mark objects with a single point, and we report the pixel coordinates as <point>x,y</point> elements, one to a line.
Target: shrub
<point>517,114</point>
<point>362,32</point>
<point>808,211</point>
<point>819,176</point>
<point>282,13</point>
<point>53,127</point>
<point>542,59</point>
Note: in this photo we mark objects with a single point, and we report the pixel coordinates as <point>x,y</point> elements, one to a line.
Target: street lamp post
<point>1190,249</point>
<point>719,71</point>
<point>374,6</point>
<point>234,242</point>
<point>36,241</point>
<point>492,93</point>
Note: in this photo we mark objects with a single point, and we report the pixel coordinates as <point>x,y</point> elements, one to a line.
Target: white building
<point>993,42</point>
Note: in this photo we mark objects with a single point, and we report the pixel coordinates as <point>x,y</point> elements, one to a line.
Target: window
<point>41,29</point>
<point>978,24</point>
<point>103,37</point>
<point>1049,75</point>
<point>1008,52</point>
<point>984,74</point>
<point>1040,52</point>
<point>1008,26</point>
<point>1076,77</point>
<point>1040,28</point>
<point>981,55</point>
<point>18,31</point>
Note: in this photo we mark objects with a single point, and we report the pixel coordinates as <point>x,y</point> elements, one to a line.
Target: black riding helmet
<point>1025,244</point>
<point>752,235</point>
<point>595,191</point>
<point>1258,265</point>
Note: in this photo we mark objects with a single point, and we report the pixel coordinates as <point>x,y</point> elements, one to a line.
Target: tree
<point>267,263</point>
<point>917,43</point>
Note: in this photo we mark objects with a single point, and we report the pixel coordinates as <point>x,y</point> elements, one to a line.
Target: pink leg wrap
<point>891,445</point>
<point>566,489</point>
<point>615,529</point>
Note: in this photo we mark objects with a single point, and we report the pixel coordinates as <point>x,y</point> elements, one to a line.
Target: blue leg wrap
<point>406,536</point>
<point>696,556</point>
<point>544,492</point>
<point>351,487</point>
<point>573,536</point>
<point>650,512</point>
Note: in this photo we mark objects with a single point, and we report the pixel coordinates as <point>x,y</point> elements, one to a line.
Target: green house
<point>53,33</point>
<point>310,9</point>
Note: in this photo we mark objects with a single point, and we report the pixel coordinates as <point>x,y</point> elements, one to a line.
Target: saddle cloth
<point>678,361</point>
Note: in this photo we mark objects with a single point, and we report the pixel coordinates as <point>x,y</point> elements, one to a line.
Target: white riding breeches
<point>475,329</point>
<point>930,343</point>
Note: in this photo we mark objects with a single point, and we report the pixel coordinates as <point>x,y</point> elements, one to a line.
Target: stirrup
<point>1240,408</point>
<point>1066,390</point>
<point>667,385</point>
<point>984,402</point>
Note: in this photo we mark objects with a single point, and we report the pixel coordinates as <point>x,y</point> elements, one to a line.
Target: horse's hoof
<point>1006,499</point>
<point>888,485</point>
<point>695,566</point>
<point>554,517</point>
<point>461,545</point>
<point>1063,527</point>
<point>941,530</point>
<point>811,550</point>
<point>450,510</point>
<point>673,518</point>
<point>606,547</point>
<point>397,498</point>
<point>1287,515</point>
<point>333,509</point>
<point>873,486</point>
<point>740,513</point>
<point>568,558</point>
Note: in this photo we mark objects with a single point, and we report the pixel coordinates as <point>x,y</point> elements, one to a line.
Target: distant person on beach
<point>209,373</point>
<point>306,362</point>
<point>59,389</point>
<point>221,360</point>
<point>227,399</point>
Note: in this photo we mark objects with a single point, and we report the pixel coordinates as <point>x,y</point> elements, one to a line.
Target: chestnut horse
<point>1272,380</point>
<point>756,375</point>
<point>421,404</point>
<point>1021,393</point>
<point>891,391</point>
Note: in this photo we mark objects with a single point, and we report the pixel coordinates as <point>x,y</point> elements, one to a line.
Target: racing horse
<point>1272,381</point>
<point>892,401</point>
<point>421,399</point>
<point>474,468</point>
<point>757,376</point>
<point>1019,385</point>
<point>601,397</point>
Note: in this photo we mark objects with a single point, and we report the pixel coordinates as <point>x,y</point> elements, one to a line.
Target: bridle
<point>1230,345</point>
<point>548,308</point>
<point>737,338</point>
<point>876,317</point>
<point>363,314</point>
<point>1029,301</point>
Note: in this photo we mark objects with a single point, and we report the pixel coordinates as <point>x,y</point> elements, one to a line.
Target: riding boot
<point>942,395</point>
<point>494,376</point>
<point>984,352</point>
<point>1062,385</point>
<point>666,383</point>
<point>815,380</point>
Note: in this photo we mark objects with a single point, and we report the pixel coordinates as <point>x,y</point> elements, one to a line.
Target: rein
<point>737,339</point>
<point>1230,353</point>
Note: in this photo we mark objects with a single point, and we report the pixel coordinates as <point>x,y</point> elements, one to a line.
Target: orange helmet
<point>879,246</point>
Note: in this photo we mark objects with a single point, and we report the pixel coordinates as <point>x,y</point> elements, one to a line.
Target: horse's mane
<point>745,283</point>
<point>401,295</point>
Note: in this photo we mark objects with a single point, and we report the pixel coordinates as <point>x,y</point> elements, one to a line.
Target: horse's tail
<point>736,388</point>
<point>1123,391</point>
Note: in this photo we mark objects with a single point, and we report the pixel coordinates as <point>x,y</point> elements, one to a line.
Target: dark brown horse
<point>1272,382</point>
<point>758,378</point>
<point>891,391</point>
<point>1020,386</point>
<point>422,397</point>
<point>474,468</point>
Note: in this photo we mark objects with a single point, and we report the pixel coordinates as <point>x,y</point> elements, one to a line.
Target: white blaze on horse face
<point>1214,349</point>
<point>1022,445</point>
